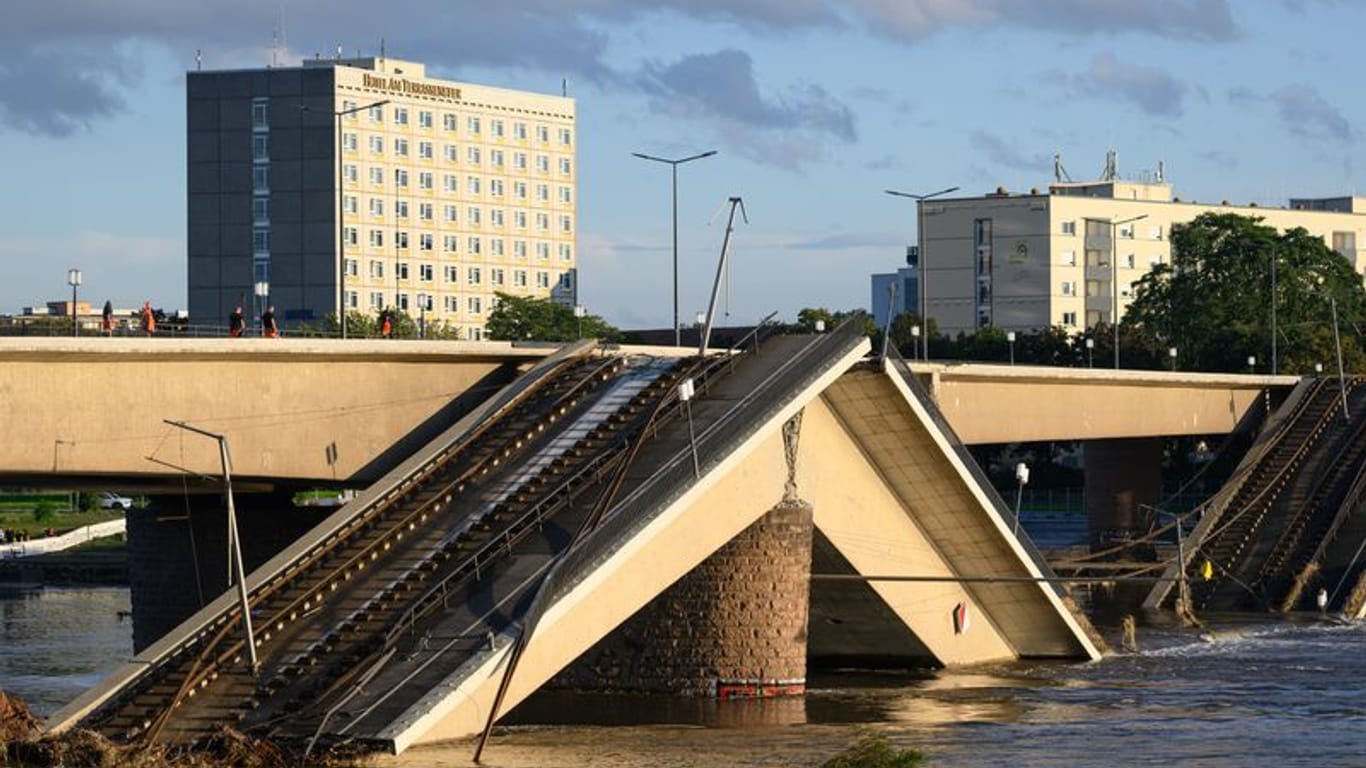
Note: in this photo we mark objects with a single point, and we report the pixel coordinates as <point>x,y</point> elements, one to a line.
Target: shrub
<point>45,513</point>
<point>874,751</point>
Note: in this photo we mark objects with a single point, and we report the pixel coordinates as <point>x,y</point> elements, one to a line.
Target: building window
<point>1069,319</point>
<point>519,278</point>
<point>475,246</point>
<point>351,173</point>
<point>496,246</point>
<point>1155,231</point>
<point>377,144</point>
<point>496,187</point>
<point>449,243</point>
<point>376,300</point>
<point>475,304</point>
<point>424,150</point>
<point>543,163</point>
<point>519,131</point>
<point>1068,258</point>
<point>260,241</point>
<point>519,248</point>
<point>448,121</point>
<point>475,185</point>
<point>377,113</point>
<point>451,152</point>
<point>566,224</point>
<point>351,204</point>
<point>376,238</point>
<point>567,280</point>
<point>424,211</point>
<point>401,209</point>
<point>425,241</point>
<point>450,182</point>
<point>543,134</point>
<point>350,142</point>
<point>376,206</point>
<point>543,222</point>
<point>496,128</point>
<point>472,125</point>
<point>449,213</point>
<point>496,158</point>
<point>1129,261</point>
<point>352,300</point>
<point>566,252</point>
<point>566,137</point>
<point>260,178</point>
<point>450,273</point>
<point>565,195</point>
<point>400,177</point>
<point>496,276</point>
<point>496,217</point>
<point>476,334</point>
<point>543,251</point>
<point>425,272</point>
<point>260,114</point>
<point>543,192</point>
<point>401,241</point>
<point>519,190</point>
<point>401,270</point>
<point>1345,243</point>
<point>352,267</point>
<point>519,219</point>
<point>260,210</point>
<point>401,115</point>
<point>401,147</point>
<point>351,235</point>
<point>472,155</point>
<point>1069,227</point>
<point>475,275</point>
<point>403,301</point>
<point>377,175</point>
<point>475,216</point>
<point>260,148</point>
<point>425,180</point>
<point>424,119</point>
<point>1069,288</point>
<point>564,166</point>
<point>542,279</point>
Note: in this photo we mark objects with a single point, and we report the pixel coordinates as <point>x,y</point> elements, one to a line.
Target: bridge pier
<point>177,550</point>
<point>1121,476</point>
<point>734,626</point>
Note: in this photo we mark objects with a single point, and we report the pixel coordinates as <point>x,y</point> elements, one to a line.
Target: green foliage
<point>806,320</point>
<point>45,513</point>
<point>366,325</point>
<point>1213,302</point>
<point>873,750</point>
<point>89,502</point>
<point>526,318</point>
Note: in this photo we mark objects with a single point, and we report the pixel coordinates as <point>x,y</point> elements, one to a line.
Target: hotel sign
<point>410,87</point>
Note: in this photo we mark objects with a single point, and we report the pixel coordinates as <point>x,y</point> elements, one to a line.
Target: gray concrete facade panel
<point>285,144</point>
<point>202,178</point>
<point>284,82</point>
<point>203,210</point>
<point>285,175</point>
<point>235,115</point>
<point>202,146</point>
<point>203,240</point>
<point>235,178</point>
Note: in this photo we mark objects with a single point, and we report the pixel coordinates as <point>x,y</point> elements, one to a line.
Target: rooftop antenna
<point>1161,171</point>
<point>381,50</point>
<point>564,86</point>
<point>1111,166</point>
<point>339,51</point>
<point>1060,173</point>
<point>735,202</point>
<point>198,60</point>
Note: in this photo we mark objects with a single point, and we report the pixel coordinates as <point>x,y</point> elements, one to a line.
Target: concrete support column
<point>733,626</point>
<point>1121,475</point>
<point>177,552</point>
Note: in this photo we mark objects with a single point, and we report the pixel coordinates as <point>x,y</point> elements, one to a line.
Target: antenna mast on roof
<point>1111,171</point>
<point>1060,173</point>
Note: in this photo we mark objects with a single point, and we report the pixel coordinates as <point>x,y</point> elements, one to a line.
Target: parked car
<point>115,501</point>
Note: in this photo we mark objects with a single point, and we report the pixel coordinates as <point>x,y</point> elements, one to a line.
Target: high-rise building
<point>366,182</point>
<point>1070,257</point>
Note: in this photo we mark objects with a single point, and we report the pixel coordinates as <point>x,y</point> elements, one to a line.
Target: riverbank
<point>101,562</point>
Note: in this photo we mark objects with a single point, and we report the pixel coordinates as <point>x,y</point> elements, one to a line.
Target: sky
<point>814,107</point>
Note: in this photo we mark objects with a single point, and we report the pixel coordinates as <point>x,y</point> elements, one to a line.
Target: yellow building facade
<point>1070,257</point>
<point>365,182</point>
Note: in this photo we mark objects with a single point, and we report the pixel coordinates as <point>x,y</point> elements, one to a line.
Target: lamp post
<point>261,290</point>
<point>1171,353</point>
<point>673,164</point>
<point>1273,311</point>
<point>73,279</point>
<point>1114,272</point>
<point>1021,480</point>
<point>341,210</point>
<point>579,312</point>
<point>920,258</point>
<point>422,315</point>
<point>1251,363</point>
<point>1090,349</point>
<point>1010,337</point>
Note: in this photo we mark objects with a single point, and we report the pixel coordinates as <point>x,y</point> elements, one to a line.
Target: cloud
<point>1307,114</point>
<point>58,93</point>
<point>113,266</point>
<point>1152,90</point>
<point>1225,160</point>
<point>997,151</point>
<point>842,241</point>
<point>1200,20</point>
<point>720,88</point>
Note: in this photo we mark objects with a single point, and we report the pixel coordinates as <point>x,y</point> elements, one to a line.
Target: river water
<point>1254,692</point>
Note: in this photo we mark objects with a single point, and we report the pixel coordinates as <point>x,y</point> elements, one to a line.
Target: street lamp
<point>678,337</point>
<point>1251,363</point>
<point>341,210</point>
<point>1010,337</point>
<point>422,315</point>
<point>579,312</point>
<point>1021,480</point>
<point>915,341</point>
<point>73,279</point>
<point>1090,348</point>
<point>1114,273</point>
<point>1171,353</point>
<point>920,253</point>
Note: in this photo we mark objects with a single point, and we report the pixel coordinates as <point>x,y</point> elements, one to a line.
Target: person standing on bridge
<point>268,327</point>
<point>386,323</point>
<point>149,320</point>
<point>236,323</point>
<point>107,319</point>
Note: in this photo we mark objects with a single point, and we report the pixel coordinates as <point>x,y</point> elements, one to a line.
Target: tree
<point>1213,302</point>
<point>526,318</point>
<point>806,320</point>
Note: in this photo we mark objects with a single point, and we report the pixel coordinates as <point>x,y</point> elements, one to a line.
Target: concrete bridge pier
<point>177,550</point>
<point>1121,476</point>
<point>734,626</point>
